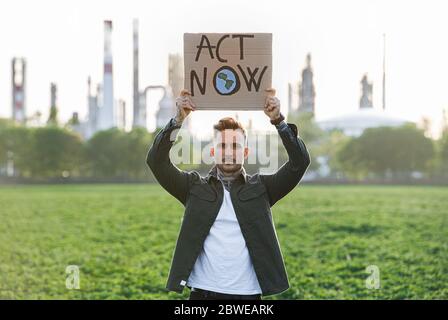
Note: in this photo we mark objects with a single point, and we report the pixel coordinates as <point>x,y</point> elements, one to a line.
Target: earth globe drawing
<point>226,81</point>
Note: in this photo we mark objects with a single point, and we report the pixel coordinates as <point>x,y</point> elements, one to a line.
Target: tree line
<point>52,151</point>
<point>378,153</point>
<point>385,153</point>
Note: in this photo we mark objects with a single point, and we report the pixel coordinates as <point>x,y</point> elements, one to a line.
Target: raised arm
<point>170,177</point>
<point>290,173</point>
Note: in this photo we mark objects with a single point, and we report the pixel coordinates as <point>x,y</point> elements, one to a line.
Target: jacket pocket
<point>251,192</point>
<point>254,205</point>
<point>203,192</point>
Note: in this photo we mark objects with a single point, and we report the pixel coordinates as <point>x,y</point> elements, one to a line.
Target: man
<point>227,246</point>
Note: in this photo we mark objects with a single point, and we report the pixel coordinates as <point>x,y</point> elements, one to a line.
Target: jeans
<point>199,294</point>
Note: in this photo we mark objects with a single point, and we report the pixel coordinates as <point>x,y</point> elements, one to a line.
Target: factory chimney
<point>107,114</point>
<point>139,117</point>
<point>18,90</point>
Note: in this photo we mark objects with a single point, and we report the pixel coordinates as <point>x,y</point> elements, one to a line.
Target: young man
<point>227,246</point>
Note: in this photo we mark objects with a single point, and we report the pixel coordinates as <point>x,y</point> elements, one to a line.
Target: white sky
<point>63,42</point>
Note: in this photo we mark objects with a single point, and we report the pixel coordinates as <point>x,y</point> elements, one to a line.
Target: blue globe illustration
<point>226,81</point>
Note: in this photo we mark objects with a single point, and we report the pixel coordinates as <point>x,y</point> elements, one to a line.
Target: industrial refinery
<point>104,109</point>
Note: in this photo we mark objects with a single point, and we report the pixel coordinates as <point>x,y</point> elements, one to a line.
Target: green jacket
<point>252,198</point>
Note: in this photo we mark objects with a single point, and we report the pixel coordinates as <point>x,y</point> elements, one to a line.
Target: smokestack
<point>53,95</point>
<point>52,118</point>
<point>107,116</point>
<point>121,114</point>
<point>175,73</point>
<point>89,86</point>
<point>137,120</point>
<point>18,90</point>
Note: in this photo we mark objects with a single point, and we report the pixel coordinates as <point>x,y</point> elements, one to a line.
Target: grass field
<point>122,238</point>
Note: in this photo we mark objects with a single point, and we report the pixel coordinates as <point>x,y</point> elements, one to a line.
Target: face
<point>229,150</point>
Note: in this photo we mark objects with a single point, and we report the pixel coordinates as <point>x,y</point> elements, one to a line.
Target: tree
<point>387,152</point>
<point>442,158</point>
<point>328,150</point>
<point>137,144</point>
<point>115,153</point>
<point>107,154</point>
<point>15,144</point>
<point>311,134</point>
<point>54,152</point>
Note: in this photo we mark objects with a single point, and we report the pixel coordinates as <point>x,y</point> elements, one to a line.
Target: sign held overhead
<point>228,71</point>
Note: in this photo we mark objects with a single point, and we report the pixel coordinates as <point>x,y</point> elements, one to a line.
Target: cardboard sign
<point>228,70</point>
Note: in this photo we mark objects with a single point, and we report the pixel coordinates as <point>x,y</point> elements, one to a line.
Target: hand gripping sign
<point>228,70</point>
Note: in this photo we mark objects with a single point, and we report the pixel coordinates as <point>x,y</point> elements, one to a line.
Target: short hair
<point>230,123</point>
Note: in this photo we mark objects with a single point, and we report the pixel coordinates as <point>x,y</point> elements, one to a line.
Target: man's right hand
<point>184,106</point>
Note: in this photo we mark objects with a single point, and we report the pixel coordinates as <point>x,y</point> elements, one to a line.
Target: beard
<point>229,168</point>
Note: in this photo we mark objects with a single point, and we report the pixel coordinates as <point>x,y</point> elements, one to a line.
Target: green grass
<point>122,238</point>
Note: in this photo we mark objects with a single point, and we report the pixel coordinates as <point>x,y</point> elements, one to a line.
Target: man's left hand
<point>272,104</point>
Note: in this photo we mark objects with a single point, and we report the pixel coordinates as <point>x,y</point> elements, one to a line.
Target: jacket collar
<point>213,173</point>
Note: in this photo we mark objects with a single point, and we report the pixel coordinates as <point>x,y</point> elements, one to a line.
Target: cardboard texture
<point>228,71</point>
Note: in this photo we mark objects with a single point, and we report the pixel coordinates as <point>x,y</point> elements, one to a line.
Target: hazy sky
<point>63,42</point>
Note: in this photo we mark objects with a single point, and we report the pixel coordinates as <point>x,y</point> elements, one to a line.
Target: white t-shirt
<point>224,264</point>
